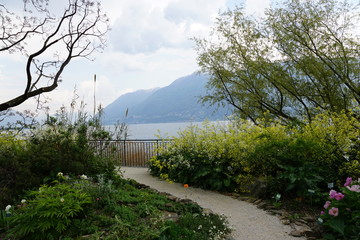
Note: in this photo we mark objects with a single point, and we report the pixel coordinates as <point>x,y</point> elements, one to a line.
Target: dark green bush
<point>55,147</point>
<point>67,151</point>
<point>291,165</point>
<point>15,173</point>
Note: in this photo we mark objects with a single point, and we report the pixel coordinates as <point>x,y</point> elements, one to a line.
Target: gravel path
<point>248,222</point>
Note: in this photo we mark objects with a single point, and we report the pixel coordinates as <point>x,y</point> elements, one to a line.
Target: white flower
<point>23,201</point>
<point>62,200</point>
<point>83,177</point>
<point>7,209</point>
<point>60,174</point>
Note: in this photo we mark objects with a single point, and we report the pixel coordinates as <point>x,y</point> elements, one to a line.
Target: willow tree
<point>300,59</point>
<point>50,39</point>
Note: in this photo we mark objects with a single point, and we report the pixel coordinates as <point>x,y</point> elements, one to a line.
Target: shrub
<point>341,215</point>
<point>48,212</point>
<point>290,165</point>
<point>199,157</point>
<point>293,159</point>
<point>59,148</point>
<point>337,135</point>
<point>15,173</point>
<point>60,144</point>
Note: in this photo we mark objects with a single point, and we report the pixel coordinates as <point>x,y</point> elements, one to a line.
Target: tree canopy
<point>50,40</point>
<point>300,59</point>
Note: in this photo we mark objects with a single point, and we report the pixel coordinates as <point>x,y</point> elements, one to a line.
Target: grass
<point>123,209</point>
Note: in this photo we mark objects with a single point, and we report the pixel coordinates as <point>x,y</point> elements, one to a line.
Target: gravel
<point>248,222</point>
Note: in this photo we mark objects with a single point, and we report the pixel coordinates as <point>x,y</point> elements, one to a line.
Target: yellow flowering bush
<point>291,158</point>
<point>199,157</point>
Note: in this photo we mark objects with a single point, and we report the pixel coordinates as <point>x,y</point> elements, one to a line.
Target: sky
<point>149,46</point>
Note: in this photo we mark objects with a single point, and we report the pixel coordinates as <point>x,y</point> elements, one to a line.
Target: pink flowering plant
<point>341,214</point>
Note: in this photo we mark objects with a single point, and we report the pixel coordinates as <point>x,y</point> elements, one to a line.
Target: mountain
<point>178,102</point>
<point>116,110</point>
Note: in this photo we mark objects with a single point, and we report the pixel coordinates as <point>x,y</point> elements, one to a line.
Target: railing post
<point>124,153</point>
<point>157,147</point>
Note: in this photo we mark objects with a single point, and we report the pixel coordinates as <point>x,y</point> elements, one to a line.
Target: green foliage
<point>196,226</point>
<point>105,209</point>
<point>297,61</point>
<point>15,173</point>
<point>60,144</point>
<point>341,214</point>
<point>199,157</point>
<point>291,159</point>
<point>59,148</point>
<point>48,212</point>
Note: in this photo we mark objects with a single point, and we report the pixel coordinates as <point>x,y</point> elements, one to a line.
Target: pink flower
<point>333,194</point>
<point>327,204</point>
<point>348,181</point>
<point>339,196</point>
<point>322,212</point>
<point>354,188</point>
<point>334,211</point>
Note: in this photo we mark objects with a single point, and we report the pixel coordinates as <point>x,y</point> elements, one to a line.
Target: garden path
<point>248,222</point>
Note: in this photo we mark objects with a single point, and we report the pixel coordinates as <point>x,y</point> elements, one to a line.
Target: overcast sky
<point>149,46</point>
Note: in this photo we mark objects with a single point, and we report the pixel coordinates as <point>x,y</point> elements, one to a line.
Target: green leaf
<point>329,237</point>
<point>337,224</point>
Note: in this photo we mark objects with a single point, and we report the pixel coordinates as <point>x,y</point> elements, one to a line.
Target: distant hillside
<point>177,102</point>
<point>116,110</point>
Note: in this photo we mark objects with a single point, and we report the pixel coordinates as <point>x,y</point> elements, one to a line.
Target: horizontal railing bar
<point>134,140</point>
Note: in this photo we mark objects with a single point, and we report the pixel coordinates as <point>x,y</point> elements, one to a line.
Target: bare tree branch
<point>78,32</point>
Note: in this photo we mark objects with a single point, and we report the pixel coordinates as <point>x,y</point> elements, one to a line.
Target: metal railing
<point>130,153</point>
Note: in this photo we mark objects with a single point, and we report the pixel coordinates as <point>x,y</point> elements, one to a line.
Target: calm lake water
<point>164,130</point>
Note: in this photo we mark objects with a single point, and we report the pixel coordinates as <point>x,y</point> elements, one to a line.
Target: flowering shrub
<point>341,215</point>
<point>200,157</point>
<point>291,159</point>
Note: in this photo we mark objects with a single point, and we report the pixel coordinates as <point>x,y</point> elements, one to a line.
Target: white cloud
<point>256,7</point>
<point>149,47</point>
<point>200,11</point>
<point>147,27</point>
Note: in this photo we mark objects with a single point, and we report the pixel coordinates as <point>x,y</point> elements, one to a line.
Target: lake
<point>164,130</point>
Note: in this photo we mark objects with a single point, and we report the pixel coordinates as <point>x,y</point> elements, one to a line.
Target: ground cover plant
<point>91,208</point>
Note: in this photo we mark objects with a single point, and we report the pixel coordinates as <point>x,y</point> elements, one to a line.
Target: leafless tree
<point>78,31</point>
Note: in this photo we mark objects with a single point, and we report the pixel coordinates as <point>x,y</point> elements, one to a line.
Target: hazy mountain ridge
<point>178,102</point>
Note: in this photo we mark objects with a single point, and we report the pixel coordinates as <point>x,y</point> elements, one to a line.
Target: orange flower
<point>186,185</point>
